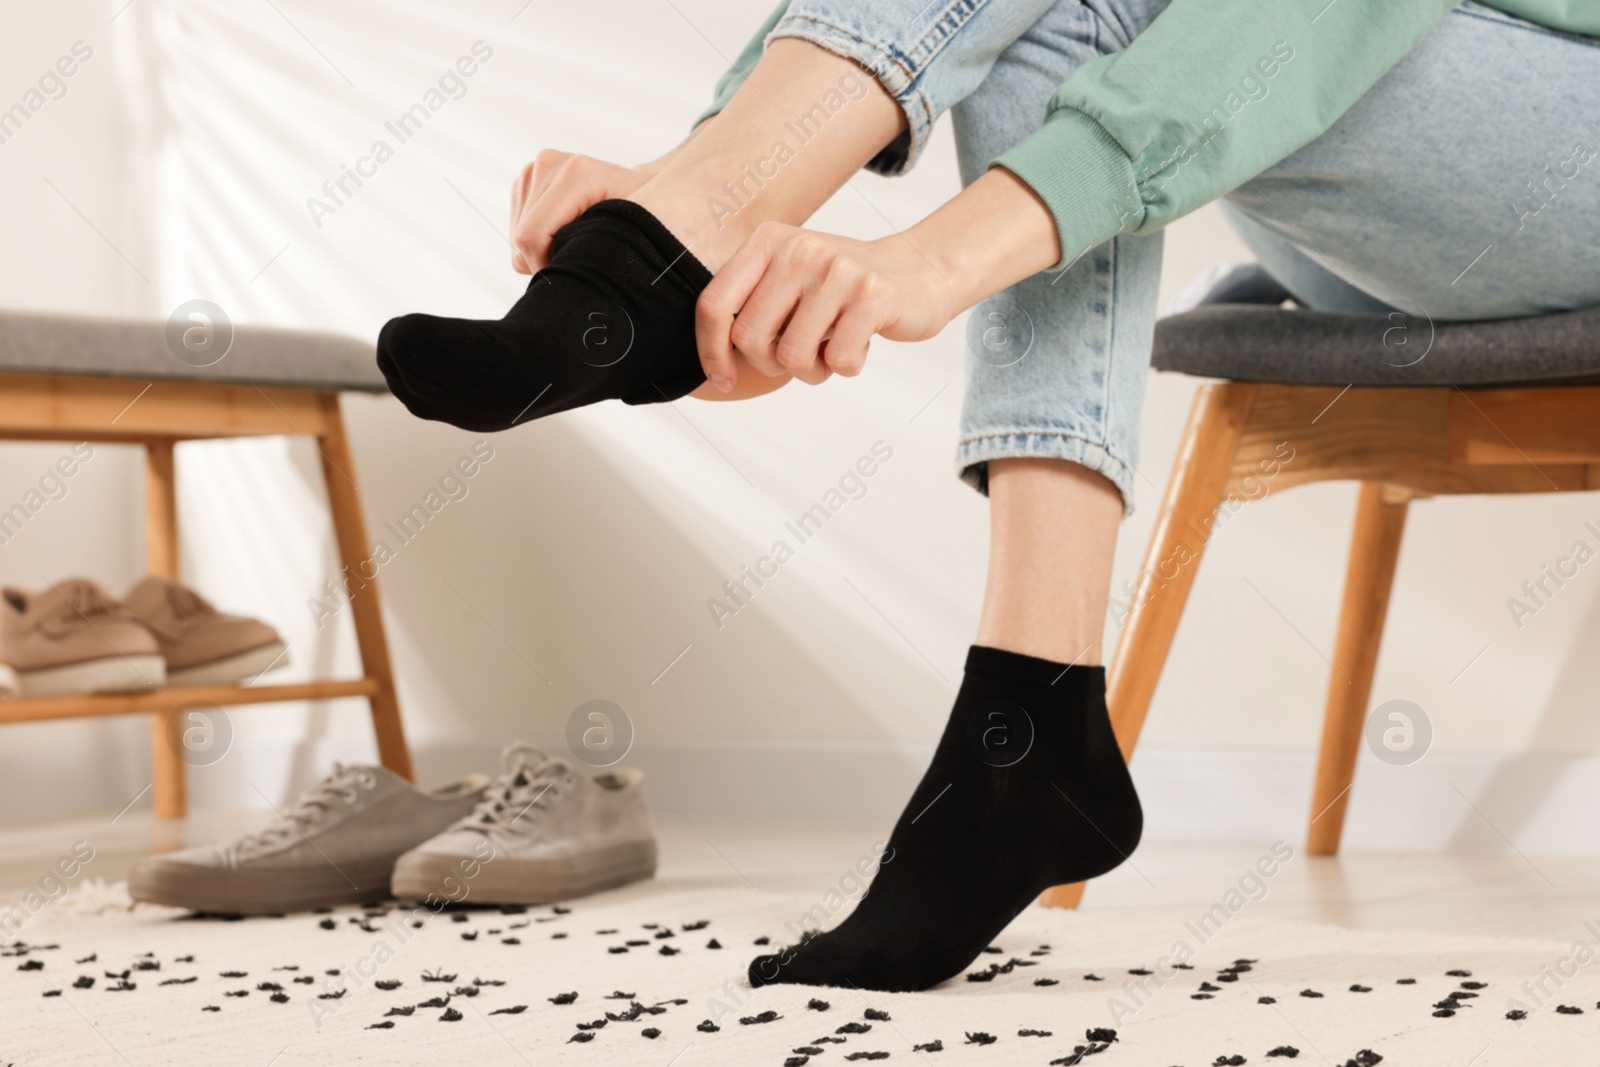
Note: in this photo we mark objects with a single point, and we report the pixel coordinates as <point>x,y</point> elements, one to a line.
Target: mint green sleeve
<point>729,83</point>
<point>1207,97</point>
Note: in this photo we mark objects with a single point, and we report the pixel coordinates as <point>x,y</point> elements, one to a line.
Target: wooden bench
<point>153,384</point>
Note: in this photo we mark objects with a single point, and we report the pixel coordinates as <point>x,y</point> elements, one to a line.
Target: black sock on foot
<point>611,317</point>
<point>1027,789</point>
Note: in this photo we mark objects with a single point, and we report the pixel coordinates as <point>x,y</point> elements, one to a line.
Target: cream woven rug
<point>636,977</point>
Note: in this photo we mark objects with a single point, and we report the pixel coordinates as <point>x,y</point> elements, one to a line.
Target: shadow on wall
<point>1523,784</point>
<point>536,590</point>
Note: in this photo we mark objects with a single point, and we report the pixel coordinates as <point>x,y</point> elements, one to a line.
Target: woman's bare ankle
<point>775,153</point>
<point>683,206</point>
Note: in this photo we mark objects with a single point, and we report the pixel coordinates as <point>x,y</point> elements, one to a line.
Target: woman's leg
<point>1052,534</point>
<point>1297,268</point>
<point>1027,787</point>
<point>1464,185</point>
<point>748,165</point>
<point>1055,376</point>
<point>1329,223</point>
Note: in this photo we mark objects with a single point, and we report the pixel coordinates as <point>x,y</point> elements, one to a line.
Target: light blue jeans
<point>1434,195</point>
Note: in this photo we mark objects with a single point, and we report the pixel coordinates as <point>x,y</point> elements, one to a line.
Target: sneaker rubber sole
<point>113,674</point>
<point>509,880</point>
<point>257,891</point>
<point>244,666</point>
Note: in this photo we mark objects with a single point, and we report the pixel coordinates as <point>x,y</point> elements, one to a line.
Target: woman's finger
<point>799,268</point>
<point>799,349</point>
<point>846,351</point>
<point>574,188</point>
<point>721,301</point>
<point>535,178</point>
<point>519,198</point>
<point>762,319</point>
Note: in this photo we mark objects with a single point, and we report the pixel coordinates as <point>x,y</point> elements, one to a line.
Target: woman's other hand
<point>796,302</point>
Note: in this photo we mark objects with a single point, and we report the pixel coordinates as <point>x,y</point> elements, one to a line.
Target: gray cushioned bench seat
<point>1245,342</point>
<point>50,343</point>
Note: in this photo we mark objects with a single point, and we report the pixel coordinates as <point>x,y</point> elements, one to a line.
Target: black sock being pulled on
<point>1027,789</point>
<point>610,317</point>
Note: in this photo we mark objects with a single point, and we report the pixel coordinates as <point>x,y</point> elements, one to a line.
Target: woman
<point>1376,155</point>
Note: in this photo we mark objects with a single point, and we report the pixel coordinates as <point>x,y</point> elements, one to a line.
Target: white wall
<point>74,241</point>
<point>580,564</point>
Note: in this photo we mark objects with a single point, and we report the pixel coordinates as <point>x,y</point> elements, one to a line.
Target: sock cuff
<point>1031,670</point>
<point>638,221</point>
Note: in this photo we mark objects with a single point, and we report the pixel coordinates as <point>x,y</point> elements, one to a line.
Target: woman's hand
<point>556,188</point>
<point>796,302</point>
<point>793,302</point>
<point>552,191</point>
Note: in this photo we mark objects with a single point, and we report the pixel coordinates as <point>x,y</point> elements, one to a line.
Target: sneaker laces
<point>77,599</point>
<point>532,781</point>
<point>311,808</point>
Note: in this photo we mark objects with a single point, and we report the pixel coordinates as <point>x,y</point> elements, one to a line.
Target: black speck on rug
<point>153,986</point>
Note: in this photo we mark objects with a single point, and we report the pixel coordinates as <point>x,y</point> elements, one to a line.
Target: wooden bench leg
<point>161,557</point>
<point>350,531</point>
<point>1374,553</point>
<point>1199,476</point>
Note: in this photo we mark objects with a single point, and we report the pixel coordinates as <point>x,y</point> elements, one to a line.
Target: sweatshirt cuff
<point>1083,176</point>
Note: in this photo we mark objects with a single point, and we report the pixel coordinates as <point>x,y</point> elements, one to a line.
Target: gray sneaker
<point>336,845</point>
<point>544,831</point>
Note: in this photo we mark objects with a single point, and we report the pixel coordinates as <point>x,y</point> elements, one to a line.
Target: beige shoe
<point>336,845</point>
<point>203,646</point>
<point>544,831</point>
<point>74,638</point>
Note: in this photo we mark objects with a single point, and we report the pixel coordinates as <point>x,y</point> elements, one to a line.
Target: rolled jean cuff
<point>976,450</point>
<point>891,70</point>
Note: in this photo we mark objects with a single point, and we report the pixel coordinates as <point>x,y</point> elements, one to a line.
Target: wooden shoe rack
<point>157,415</point>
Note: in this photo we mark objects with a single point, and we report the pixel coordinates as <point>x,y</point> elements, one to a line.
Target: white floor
<point>1484,892</point>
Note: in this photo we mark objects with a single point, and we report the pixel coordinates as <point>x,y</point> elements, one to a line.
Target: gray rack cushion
<point>1269,344</point>
<point>49,343</point>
